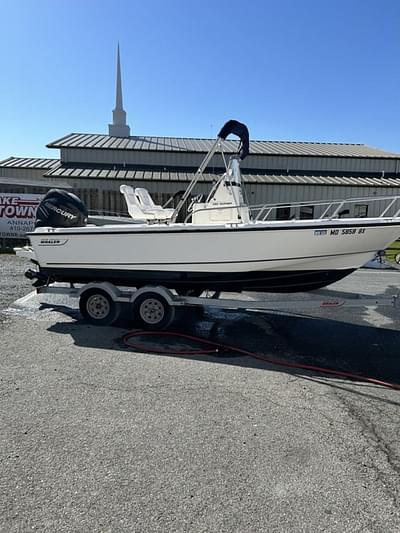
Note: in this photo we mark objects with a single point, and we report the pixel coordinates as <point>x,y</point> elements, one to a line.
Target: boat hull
<point>275,257</point>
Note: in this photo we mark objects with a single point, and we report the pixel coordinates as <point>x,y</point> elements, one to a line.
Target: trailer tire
<point>97,307</point>
<point>152,311</point>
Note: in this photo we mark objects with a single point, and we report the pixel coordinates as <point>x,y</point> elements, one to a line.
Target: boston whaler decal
<point>52,242</point>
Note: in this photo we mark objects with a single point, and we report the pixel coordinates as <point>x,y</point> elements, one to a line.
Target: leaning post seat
<point>145,199</point>
<point>139,211</point>
<point>148,206</point>
<point>132,203</point>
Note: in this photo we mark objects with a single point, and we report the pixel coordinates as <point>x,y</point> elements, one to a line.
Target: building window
<point>283,213</point>
<point>361,210</point>
<point>307,211</point>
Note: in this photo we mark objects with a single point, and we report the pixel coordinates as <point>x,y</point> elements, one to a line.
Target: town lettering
<point>18,211</point>
<point>18,207</point>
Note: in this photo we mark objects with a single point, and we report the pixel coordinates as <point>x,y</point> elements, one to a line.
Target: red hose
<point>218,347</point>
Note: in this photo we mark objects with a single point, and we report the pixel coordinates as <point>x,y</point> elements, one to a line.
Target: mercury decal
<point>60,211</point>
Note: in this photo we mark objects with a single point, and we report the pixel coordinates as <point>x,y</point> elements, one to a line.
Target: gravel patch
<point>13,283</point>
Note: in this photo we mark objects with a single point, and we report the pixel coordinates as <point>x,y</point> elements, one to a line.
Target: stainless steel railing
<point>332,208</point>
<point>328,209</point>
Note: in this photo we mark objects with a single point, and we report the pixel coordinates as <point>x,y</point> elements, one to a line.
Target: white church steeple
<point>119,128</point>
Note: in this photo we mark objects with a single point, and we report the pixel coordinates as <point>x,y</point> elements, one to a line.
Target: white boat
<point>224,244</point>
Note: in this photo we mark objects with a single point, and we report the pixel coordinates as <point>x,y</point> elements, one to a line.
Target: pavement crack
<point>374,439</point>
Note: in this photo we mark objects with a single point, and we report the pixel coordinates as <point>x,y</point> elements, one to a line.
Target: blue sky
<point>309,70</point>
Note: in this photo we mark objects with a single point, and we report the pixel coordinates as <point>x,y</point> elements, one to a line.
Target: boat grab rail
<point>339,204</point>
<point>235,207</point>
<point>264,210</point>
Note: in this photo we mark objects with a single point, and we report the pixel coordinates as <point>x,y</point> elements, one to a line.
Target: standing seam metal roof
<point>176,144</point>
<point>29,162</point>
<point>143,175</point>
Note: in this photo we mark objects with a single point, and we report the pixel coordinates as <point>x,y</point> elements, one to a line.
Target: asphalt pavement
<point>96,437</point>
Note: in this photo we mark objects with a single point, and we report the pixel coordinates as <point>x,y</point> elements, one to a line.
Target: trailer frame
<point>154,307</point>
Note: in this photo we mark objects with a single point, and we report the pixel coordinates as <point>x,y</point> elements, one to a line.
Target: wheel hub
<point>98,306</point>
<point>152,311</point>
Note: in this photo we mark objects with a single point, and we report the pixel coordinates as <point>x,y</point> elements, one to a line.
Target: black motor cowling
<point>61,209</point>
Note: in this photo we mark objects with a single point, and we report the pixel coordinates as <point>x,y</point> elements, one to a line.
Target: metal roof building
<point>187,145</point>
<point>187,153</point>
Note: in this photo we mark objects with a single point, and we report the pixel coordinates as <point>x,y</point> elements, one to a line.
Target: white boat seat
<point>132,204</point>
<point>144,198</point>
<point>148,206</point>
<point>138,211</point>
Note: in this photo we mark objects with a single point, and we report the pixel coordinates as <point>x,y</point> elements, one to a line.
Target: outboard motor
<point>61,209</point>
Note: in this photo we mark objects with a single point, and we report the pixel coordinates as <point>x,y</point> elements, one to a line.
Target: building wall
<point>103,194</point>
<point>166,160</point>
<point>302,193</point>
<point>22,172</point>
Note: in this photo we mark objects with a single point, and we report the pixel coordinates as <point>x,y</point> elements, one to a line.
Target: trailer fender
<point>162,291</point>
<point>105,286</point>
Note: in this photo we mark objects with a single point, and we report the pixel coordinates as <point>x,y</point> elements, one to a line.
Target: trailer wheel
<point>97,307</point>
<point>152,311</point>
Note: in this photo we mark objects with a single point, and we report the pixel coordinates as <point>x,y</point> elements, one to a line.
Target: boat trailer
<point>154,307</point>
